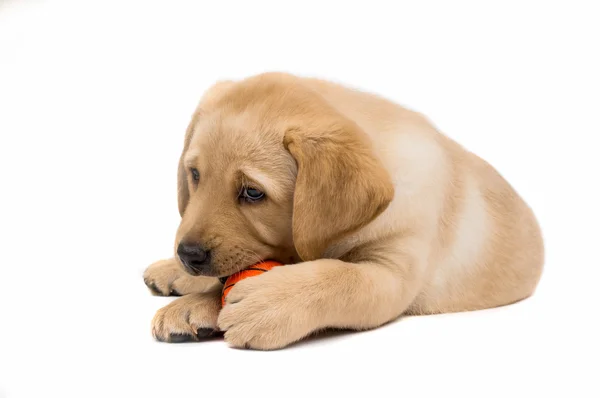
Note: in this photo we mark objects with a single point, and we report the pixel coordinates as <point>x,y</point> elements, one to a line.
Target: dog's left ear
<point>211,95</point>
<point>341,185</point>
<point>183,192</point>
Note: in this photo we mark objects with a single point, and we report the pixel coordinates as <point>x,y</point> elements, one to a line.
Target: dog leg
<point>284,305</point>
<point>189,318</point>
<point>167,278</point>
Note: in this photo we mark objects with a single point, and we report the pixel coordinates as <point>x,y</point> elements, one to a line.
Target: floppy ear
<point>340,187</point>
<point>183,193</point>
<point>211,95</point>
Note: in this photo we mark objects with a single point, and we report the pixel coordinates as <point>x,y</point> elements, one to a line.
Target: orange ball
<point>254,270</point>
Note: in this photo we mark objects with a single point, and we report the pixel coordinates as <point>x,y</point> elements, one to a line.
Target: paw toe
<point>203,333</point>
<point>158,292</point>
<point>180,338</point>
<point>153,288</point>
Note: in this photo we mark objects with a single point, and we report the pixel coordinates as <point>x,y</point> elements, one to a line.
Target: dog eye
<point>252,194</point>
<point>195,174</point>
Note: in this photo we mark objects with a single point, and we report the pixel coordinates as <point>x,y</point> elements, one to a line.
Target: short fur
<point>377,213</point>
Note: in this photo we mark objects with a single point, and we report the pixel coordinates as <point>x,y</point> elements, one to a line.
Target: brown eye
<point>195,174</point>
<point>252,194</point>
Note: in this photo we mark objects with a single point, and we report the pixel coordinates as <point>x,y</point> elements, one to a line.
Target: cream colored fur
<point>376,212</point>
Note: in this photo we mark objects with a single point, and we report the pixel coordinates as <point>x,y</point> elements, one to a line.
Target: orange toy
<point>254,270</point>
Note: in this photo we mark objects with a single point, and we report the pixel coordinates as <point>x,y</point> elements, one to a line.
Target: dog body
<point>377,212</point>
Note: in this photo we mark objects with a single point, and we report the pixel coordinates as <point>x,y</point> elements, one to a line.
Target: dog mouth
<point>223,279</point>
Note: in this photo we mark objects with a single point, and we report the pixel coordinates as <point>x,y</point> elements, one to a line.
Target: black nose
<point>195,258</point>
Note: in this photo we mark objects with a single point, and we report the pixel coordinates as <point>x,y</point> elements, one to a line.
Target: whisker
<point>253,255</point>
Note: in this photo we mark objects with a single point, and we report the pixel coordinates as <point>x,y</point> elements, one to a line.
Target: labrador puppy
<point>375,213</point>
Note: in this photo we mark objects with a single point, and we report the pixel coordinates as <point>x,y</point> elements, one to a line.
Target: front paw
<point>189,318</point>
<point>266,313</point>
<point>167,278</point>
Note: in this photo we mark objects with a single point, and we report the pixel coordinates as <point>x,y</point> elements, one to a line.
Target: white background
<point>94,101</point>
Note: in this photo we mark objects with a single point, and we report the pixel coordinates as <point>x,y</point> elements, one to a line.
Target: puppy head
<point>270,171</point>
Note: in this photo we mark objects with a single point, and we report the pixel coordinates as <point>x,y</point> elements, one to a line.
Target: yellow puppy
<point>377,213</point>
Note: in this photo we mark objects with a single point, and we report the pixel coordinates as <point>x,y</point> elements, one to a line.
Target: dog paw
<point>189,318</point>
<point>167,278</point>
<point>265,313</point>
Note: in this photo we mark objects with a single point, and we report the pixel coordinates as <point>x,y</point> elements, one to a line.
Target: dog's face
<point>270,171</point>
<point>240,185</point>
